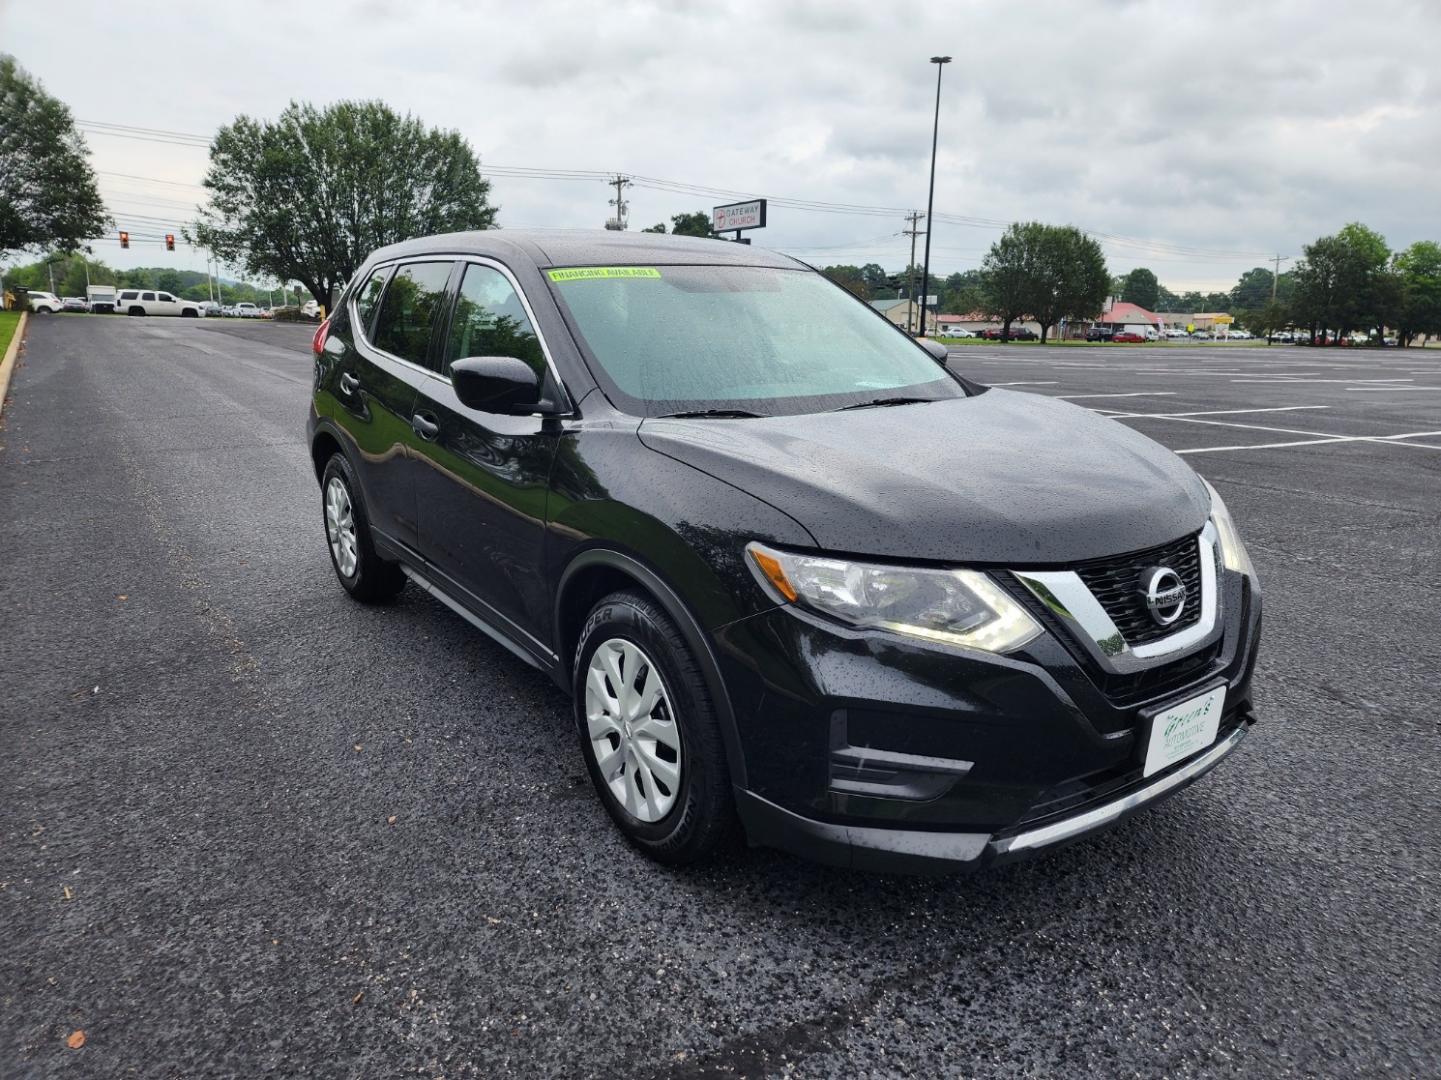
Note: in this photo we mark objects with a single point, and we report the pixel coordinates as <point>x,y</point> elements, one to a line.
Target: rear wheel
<point>363,573</point>
<point>136,311</point>
<point>649,732</point>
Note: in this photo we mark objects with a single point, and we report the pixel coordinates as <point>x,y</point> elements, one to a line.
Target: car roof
<point>591,247</point>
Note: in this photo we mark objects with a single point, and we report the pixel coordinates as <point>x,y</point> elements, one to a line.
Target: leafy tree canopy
<point>48,194</point>
<point>307,197</point>
<point>696,224</point>
<point>849,278</point>
<point>1141,287</point>
<point>1048,272</point>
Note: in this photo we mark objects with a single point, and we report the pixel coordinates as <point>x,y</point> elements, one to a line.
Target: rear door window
<point>490,320</point>
<point>147,296</point>
<point>413,300</point>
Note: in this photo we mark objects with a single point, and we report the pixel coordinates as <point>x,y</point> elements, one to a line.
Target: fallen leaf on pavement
<point>69,893</point>
<point>76,1040</point>
<point>390,820</point>
<point>356,999</point>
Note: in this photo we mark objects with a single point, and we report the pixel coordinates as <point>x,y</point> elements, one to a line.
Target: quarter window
<point>490,320</point>
<point>408,311</point>
<point>368,296</point>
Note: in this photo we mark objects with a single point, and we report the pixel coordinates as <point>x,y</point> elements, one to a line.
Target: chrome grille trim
<point>1071,601</point>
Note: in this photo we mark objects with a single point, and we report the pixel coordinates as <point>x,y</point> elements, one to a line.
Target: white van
<point>155,302</point>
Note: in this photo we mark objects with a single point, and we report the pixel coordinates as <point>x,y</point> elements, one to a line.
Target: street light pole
<point>940,62</point>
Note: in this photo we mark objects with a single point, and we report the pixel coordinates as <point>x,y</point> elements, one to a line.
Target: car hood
<point>1001,478</point>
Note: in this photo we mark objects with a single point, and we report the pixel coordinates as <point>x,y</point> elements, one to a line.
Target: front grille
<point>1116,583</point>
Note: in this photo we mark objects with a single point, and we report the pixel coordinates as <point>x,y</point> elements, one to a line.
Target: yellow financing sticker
<point>581,273</point>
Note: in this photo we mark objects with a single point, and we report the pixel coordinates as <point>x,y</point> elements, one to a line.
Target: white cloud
<point>1229,127</point>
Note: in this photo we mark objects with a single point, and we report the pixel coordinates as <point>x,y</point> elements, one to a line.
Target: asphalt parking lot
<point>250,828</point>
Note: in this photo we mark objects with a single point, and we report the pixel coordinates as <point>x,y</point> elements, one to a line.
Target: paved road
<point>250,828</point>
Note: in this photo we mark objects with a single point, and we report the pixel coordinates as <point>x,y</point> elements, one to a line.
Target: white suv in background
<point>155,302</point>
<point>45,303</point>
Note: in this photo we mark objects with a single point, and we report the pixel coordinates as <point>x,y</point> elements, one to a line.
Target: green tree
<point>658,227</point>
<point>875,276</point>
<point>307,197</point>
<point>1009,272</point>
<point>1166,300</point>
<point>848,278</point>
<point>1419,271</point>
<point>1265,320</point>
<point>1141,288</point>
<point>1253,291</point>
<point>696,224</point>
<point>962,293</point>
<point>1070,279</point>
<point>48,194</point>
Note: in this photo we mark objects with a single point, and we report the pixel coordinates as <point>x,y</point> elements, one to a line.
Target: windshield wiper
<point>884,402</point>
<point>702,414</point>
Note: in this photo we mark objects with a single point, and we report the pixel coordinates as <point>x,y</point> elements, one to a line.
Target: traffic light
<point>125,239</point>
<point>170,241</point>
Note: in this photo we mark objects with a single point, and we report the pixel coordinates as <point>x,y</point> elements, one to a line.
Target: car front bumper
<point>873,751</point>
<point>914,851</point>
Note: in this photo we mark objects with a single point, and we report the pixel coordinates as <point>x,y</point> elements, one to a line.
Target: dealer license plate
<point>1182,730</point>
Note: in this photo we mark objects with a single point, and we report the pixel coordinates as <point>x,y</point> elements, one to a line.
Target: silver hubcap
<point>632,731</point>
<point>340,527</point>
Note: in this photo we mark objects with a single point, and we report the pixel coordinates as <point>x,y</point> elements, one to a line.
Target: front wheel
<point>649,731</point>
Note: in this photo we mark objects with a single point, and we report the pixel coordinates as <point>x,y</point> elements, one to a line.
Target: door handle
<point>423,426</point>
<point>348,383</point>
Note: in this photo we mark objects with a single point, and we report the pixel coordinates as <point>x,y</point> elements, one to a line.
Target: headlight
<point>1233,552</point>
<point>959,607</point>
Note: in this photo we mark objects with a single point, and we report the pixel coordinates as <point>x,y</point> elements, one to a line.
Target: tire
<point>136,311</point>
<point>370,579</point>
<point>187,313</point>
<point>698,812</point>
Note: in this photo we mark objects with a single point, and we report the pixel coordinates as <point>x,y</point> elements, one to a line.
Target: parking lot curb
<point>8,364</point>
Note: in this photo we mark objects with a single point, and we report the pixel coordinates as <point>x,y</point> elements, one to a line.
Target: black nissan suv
<point>798,576</point>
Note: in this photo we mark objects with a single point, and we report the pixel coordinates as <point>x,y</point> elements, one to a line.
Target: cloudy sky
<point>1196,139</point>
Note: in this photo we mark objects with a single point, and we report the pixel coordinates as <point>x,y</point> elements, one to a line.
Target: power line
<point>182,138</point>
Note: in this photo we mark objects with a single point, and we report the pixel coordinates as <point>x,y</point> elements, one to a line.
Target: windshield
<point>746,339</point>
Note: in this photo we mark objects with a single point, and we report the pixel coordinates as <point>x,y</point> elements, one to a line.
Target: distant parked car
<point>210,309</point>
<point>73,303</point>
<point>155,302</point>
<point>246,310</point>
<point>1099,333</point>
<point>1129,336</point>
<point>45,303</point>
<point>1175,332</point>
<point>1239,335</point>
<point>1018,333</point>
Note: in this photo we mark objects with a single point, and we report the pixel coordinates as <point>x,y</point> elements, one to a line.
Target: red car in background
<point>1127,335</point>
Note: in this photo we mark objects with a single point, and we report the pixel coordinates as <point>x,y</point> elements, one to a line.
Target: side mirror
<point>497,384</point>
<point>939,353</point>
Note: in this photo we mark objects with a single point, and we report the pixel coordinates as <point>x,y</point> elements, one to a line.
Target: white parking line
<point>1138,393</point>
<point>1259,446</point>
<point>1022,384</point>
<point>1211,412</point>
<point>1390,440</point>
<point>1406,388</point>
<point>1282,380</point>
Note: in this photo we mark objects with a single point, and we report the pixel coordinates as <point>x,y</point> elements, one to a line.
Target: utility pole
<point>619,183</point>
<point>1274,278</point>
<point>914,218</point>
